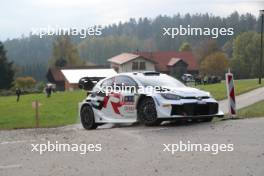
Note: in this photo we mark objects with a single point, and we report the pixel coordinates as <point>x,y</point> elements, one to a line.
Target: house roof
<point>87,67</point>
<point>56,74</point>
<point>163,58</point>
<point>126,57</point>
<point>74,75</point>
<point>173,61</point>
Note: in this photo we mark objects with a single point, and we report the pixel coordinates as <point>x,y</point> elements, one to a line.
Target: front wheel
<point>147,113</point>
<point>87,118</point>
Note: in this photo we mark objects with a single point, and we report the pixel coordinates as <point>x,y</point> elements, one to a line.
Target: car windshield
<point>160,80</point>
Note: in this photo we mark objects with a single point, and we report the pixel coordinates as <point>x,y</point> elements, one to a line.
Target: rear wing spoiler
<point>87,83</point>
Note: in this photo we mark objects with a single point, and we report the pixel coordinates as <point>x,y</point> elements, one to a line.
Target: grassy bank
<point>241,86</point>
<point>255,110</point>
<point>59,109</point>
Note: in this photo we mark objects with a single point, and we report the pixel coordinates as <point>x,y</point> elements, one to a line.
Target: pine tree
<point>65,53</point>
<point>6,70</point>
<point>185,47</point>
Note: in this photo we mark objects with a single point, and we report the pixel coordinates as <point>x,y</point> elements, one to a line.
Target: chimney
<point>137,51</point>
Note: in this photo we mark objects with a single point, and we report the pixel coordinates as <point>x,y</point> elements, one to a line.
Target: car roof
<point>134,75</point>
<point>187,74</point>
<point>140,73</point>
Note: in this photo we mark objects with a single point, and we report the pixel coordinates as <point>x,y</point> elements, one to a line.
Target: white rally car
<point>148,97</point>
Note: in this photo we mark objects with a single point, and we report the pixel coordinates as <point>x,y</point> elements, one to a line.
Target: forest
<point>31,54</point>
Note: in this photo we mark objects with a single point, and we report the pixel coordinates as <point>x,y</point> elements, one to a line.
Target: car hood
<point>188,92</point>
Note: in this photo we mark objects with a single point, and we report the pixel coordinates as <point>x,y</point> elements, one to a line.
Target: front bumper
<point>188,108</point>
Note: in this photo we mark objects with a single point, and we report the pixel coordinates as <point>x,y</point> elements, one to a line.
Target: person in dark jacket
<point>48,90</point>
<point>18,93</point>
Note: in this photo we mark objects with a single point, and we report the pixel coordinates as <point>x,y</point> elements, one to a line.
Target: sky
<point>18,17</point>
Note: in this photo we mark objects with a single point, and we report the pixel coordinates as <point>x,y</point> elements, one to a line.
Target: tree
<point>245,59</point>
<point>185,47</point>
<point>65,53</point>
<point>214,64</point>
<point>205,48</point>
<point>228,48</point>
<point>60,62</point>
<point>6,70</point>
<point>144,34</point>
<point>25,82</point>
<point>99,49</point>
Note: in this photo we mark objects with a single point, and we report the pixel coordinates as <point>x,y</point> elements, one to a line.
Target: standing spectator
<point>209,79</point>
<point>48,90</point>
<point>197,80</point>
<point>205,79</point>
<point>18,93</point>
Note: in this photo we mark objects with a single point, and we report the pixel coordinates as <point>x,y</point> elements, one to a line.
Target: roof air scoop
<point>151,73</point>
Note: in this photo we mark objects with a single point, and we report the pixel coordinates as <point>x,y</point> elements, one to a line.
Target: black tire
<point>87,118</point>
<point>196,120</point>
<point>207,119</point>
<point>147,113</point>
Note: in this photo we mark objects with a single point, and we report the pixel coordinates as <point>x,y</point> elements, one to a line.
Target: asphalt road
<point>138,150</point>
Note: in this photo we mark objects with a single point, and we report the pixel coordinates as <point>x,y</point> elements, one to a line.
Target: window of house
<point>134,65</point>
<point>142,66</point>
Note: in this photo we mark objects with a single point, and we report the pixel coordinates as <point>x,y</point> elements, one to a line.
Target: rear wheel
<point>147,113</point>
<point>87,118</point>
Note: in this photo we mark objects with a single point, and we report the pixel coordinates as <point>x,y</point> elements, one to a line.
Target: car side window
<point>107,82</point>
<point>125,81</point>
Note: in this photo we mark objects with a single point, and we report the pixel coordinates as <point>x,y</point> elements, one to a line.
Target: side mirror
<point>86,83</point>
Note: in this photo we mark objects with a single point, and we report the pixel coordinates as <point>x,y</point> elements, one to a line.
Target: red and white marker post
<point>231,94</point>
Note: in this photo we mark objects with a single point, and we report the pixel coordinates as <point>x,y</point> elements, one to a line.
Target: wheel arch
<point>90,121</point>
<point>141,97</point>
<point>85,104</point>
<point>154,121</point>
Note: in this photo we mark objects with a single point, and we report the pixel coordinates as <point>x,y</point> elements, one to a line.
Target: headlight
<point>209,94</point>
<point>170,96</point>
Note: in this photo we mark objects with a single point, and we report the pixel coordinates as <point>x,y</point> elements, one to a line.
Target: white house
<point>68,78</point>
<point>128,62</point>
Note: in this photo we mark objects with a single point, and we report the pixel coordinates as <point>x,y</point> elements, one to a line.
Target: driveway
<point>138,150</point>
<point>245,99</point>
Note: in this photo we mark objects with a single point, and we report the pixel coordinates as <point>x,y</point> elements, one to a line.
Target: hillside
<point>142,34</point>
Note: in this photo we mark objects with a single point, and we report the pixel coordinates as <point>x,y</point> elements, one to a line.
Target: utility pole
<point>261,46</point>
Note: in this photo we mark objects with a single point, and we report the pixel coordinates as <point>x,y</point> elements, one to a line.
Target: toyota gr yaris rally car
<point>148,97</point>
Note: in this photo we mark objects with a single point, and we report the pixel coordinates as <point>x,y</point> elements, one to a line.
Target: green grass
<point>255,110</point>
<point>241,86</point>
<point>60,109</point>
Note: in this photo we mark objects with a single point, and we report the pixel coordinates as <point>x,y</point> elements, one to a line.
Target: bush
<point>23,92</point>
<point>40,86</point>
<point>6,92</point>
<point>25,83</point>
<point>214,64</point>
